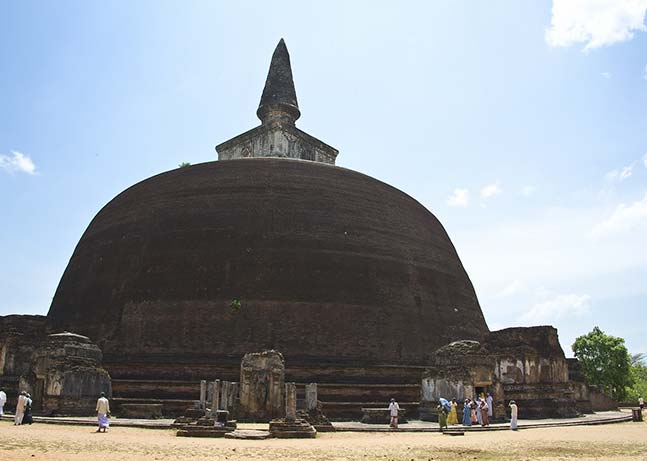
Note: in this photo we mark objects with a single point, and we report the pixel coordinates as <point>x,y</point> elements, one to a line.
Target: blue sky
<point>521,125</point>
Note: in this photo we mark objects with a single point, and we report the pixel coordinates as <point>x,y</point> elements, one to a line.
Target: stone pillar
<point>234,402</point>
<point>209,398</point>
<point>225,395</point>
<point>232,395</point>
<point>203,394</point>
<point>275,389</point>
<point>311,397</point>
<point>215,402</point>
<point>290,401</point>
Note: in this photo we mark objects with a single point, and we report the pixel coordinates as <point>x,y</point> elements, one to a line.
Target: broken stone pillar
<point>262,386</point>
<point>215,401</point>
<point>203,394</point>
<point>225,394</point>
<point>290,401</point>
<point>311,397</point>
<point>233,400</point>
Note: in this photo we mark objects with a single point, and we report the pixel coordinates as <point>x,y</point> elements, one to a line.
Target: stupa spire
<point>278,135</point>
<point>279,99</point>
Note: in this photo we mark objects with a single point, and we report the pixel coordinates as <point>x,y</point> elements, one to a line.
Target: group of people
<point>478,410</point>
<point>475,411</point>
<point>23,409</point>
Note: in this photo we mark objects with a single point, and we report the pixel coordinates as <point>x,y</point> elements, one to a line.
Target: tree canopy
<point>606,362</point>
<point>184,165</point>
<point>639,386</point>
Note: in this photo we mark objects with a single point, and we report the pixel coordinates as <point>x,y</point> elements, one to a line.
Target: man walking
<point>103,412</point>
<point>394,408</point>
<point>3,400</point>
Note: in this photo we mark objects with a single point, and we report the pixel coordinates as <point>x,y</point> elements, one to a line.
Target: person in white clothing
<point>513,415</point>
<point>394,408</point>
<point>489,400</point>
<point>3,400</point>
<point>641,403</point>
<point>20,409</point>
<point>103,412</point>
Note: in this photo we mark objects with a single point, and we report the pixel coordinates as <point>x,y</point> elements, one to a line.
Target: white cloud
<point>645,72</point>
<point>17,162</point>
<point>549,249</point>
<point>606,75</point>
<point>511,289</point>
<point>645,159</point>
<point>626,172</point>
<point>491,190</point>
<point>528,190</point>
<point>624,218</point>
<point>619,175</point>
<point>460,198</point>
<point>560,306</point>
<point>595,22</point>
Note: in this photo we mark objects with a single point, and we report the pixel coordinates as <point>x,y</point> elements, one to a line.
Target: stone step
<point>203,431</point>
<point>248,435</point>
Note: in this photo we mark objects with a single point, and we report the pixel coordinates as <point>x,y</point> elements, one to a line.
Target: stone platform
<point>248,435</point>
<point>204,431</point>
<point>363,387</point>
<point>207,426</point>
<point>297,429</point>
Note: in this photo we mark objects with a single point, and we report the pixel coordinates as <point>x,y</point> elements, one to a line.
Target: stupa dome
<point>223,258</point>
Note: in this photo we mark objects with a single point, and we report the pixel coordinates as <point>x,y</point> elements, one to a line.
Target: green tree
<point>639,386</point>
<point>606,362</point>
<point>184,165</point>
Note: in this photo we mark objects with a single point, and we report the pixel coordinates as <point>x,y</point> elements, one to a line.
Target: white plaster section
<point>283,141</point>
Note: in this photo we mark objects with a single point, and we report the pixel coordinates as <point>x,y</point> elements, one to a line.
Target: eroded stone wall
<point>62,371</point>
<point>277,140</point>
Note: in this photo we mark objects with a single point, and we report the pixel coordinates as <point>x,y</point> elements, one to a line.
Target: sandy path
<point>626,441</point>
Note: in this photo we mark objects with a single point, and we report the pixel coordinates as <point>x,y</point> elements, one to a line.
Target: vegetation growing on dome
<point>235,305</point>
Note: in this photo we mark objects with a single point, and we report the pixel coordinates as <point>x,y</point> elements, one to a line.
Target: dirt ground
<point>625,441</point>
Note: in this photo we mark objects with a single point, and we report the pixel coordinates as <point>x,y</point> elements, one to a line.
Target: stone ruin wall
<point>522,364</point>
<point>62,371</point>
<point>532,368</point>
<point>19,337</point>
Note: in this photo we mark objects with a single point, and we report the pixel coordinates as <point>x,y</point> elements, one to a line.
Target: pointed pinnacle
<point>279,93</point>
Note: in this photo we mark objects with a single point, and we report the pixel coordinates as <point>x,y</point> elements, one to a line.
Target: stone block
<point>262,386</point>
